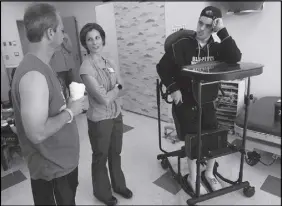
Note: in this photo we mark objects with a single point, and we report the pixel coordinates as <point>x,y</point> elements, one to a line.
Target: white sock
<point>209,168</point>
<point>192,167</point>
<point>193,185</point>
<point>213,182</point>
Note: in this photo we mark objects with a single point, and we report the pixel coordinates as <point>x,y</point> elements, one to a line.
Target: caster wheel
<point>252,158</point>
<point>164,163</point>
<point>190,204</point>
<point>160,156</point>
<point>249,191</point>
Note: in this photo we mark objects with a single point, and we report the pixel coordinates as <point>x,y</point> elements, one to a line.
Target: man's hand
<point>217,24</point>
<point>77,106</point>
<point>177,97</point>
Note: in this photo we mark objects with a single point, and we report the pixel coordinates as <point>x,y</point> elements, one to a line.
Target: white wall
<point>12,11</point>
<point>105,17</point>
<point>182,13</point>
<point>258,35</point>
<point>84,12</point>
<point>4,83</point>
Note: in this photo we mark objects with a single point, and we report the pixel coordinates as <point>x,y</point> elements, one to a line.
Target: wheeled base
<point>248,190</point>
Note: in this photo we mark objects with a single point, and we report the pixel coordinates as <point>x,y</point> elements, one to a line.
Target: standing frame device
<point>203,74</point>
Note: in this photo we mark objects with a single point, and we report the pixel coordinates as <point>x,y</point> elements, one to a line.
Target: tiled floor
<point>142,169</point>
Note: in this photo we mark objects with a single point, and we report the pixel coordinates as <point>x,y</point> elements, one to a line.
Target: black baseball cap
<point>211,12</point>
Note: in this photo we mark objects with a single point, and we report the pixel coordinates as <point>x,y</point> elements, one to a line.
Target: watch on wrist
<point>70,113</point>
<point>119,86</point>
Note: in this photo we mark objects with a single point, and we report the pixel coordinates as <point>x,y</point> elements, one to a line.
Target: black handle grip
<point>164,94</point>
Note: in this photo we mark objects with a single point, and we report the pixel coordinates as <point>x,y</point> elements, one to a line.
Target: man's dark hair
<point>87,28</point>
<point>37,19</point>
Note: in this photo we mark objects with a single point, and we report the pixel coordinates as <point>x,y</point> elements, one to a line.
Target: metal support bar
<point>207,83</point>
<point>247,102</point>
<point>217,193</point>
<point>198,179</point>
<point>159,115</point>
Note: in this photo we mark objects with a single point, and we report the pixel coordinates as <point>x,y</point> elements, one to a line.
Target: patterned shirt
<point>106,79</point>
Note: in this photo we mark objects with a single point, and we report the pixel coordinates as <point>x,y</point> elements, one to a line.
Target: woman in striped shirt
<point>105,125</point>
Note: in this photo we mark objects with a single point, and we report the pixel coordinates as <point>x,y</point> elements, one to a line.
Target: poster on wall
<point>141,33</point>
<point>11,53</point>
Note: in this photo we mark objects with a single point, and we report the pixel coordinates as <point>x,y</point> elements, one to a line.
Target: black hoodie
<point>186,51</point>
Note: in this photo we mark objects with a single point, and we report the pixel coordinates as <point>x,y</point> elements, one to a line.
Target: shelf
<point>224,114</point>
<point>225,119</point>
<point>230,125</point>
<point>225,106</point>
<point>228,85</point>
<point>234,82</point>
<point>228,93</point>
<point>222,102</point>
<point>228,105</point>
<point>231,120</point>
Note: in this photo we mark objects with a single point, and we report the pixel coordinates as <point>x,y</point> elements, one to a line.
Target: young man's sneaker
<point>192,184</point>
<point>213,182</point>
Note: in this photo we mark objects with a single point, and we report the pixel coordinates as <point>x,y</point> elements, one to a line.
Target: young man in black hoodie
<point>197,47</point>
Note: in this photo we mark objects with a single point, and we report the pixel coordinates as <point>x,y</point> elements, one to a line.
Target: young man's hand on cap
<point>218,24</point>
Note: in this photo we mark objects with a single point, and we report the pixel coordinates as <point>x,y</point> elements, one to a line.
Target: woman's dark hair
<point>87,28</point>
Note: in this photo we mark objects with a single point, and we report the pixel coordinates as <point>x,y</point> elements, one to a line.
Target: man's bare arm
<point>34,96</point>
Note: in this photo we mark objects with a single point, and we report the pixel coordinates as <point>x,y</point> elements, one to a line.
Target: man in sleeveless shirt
<point>45,121</point>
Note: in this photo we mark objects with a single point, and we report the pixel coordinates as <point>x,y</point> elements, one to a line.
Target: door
<point>106,18</point>
<point>23,38</point>
<point>70,27</point>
